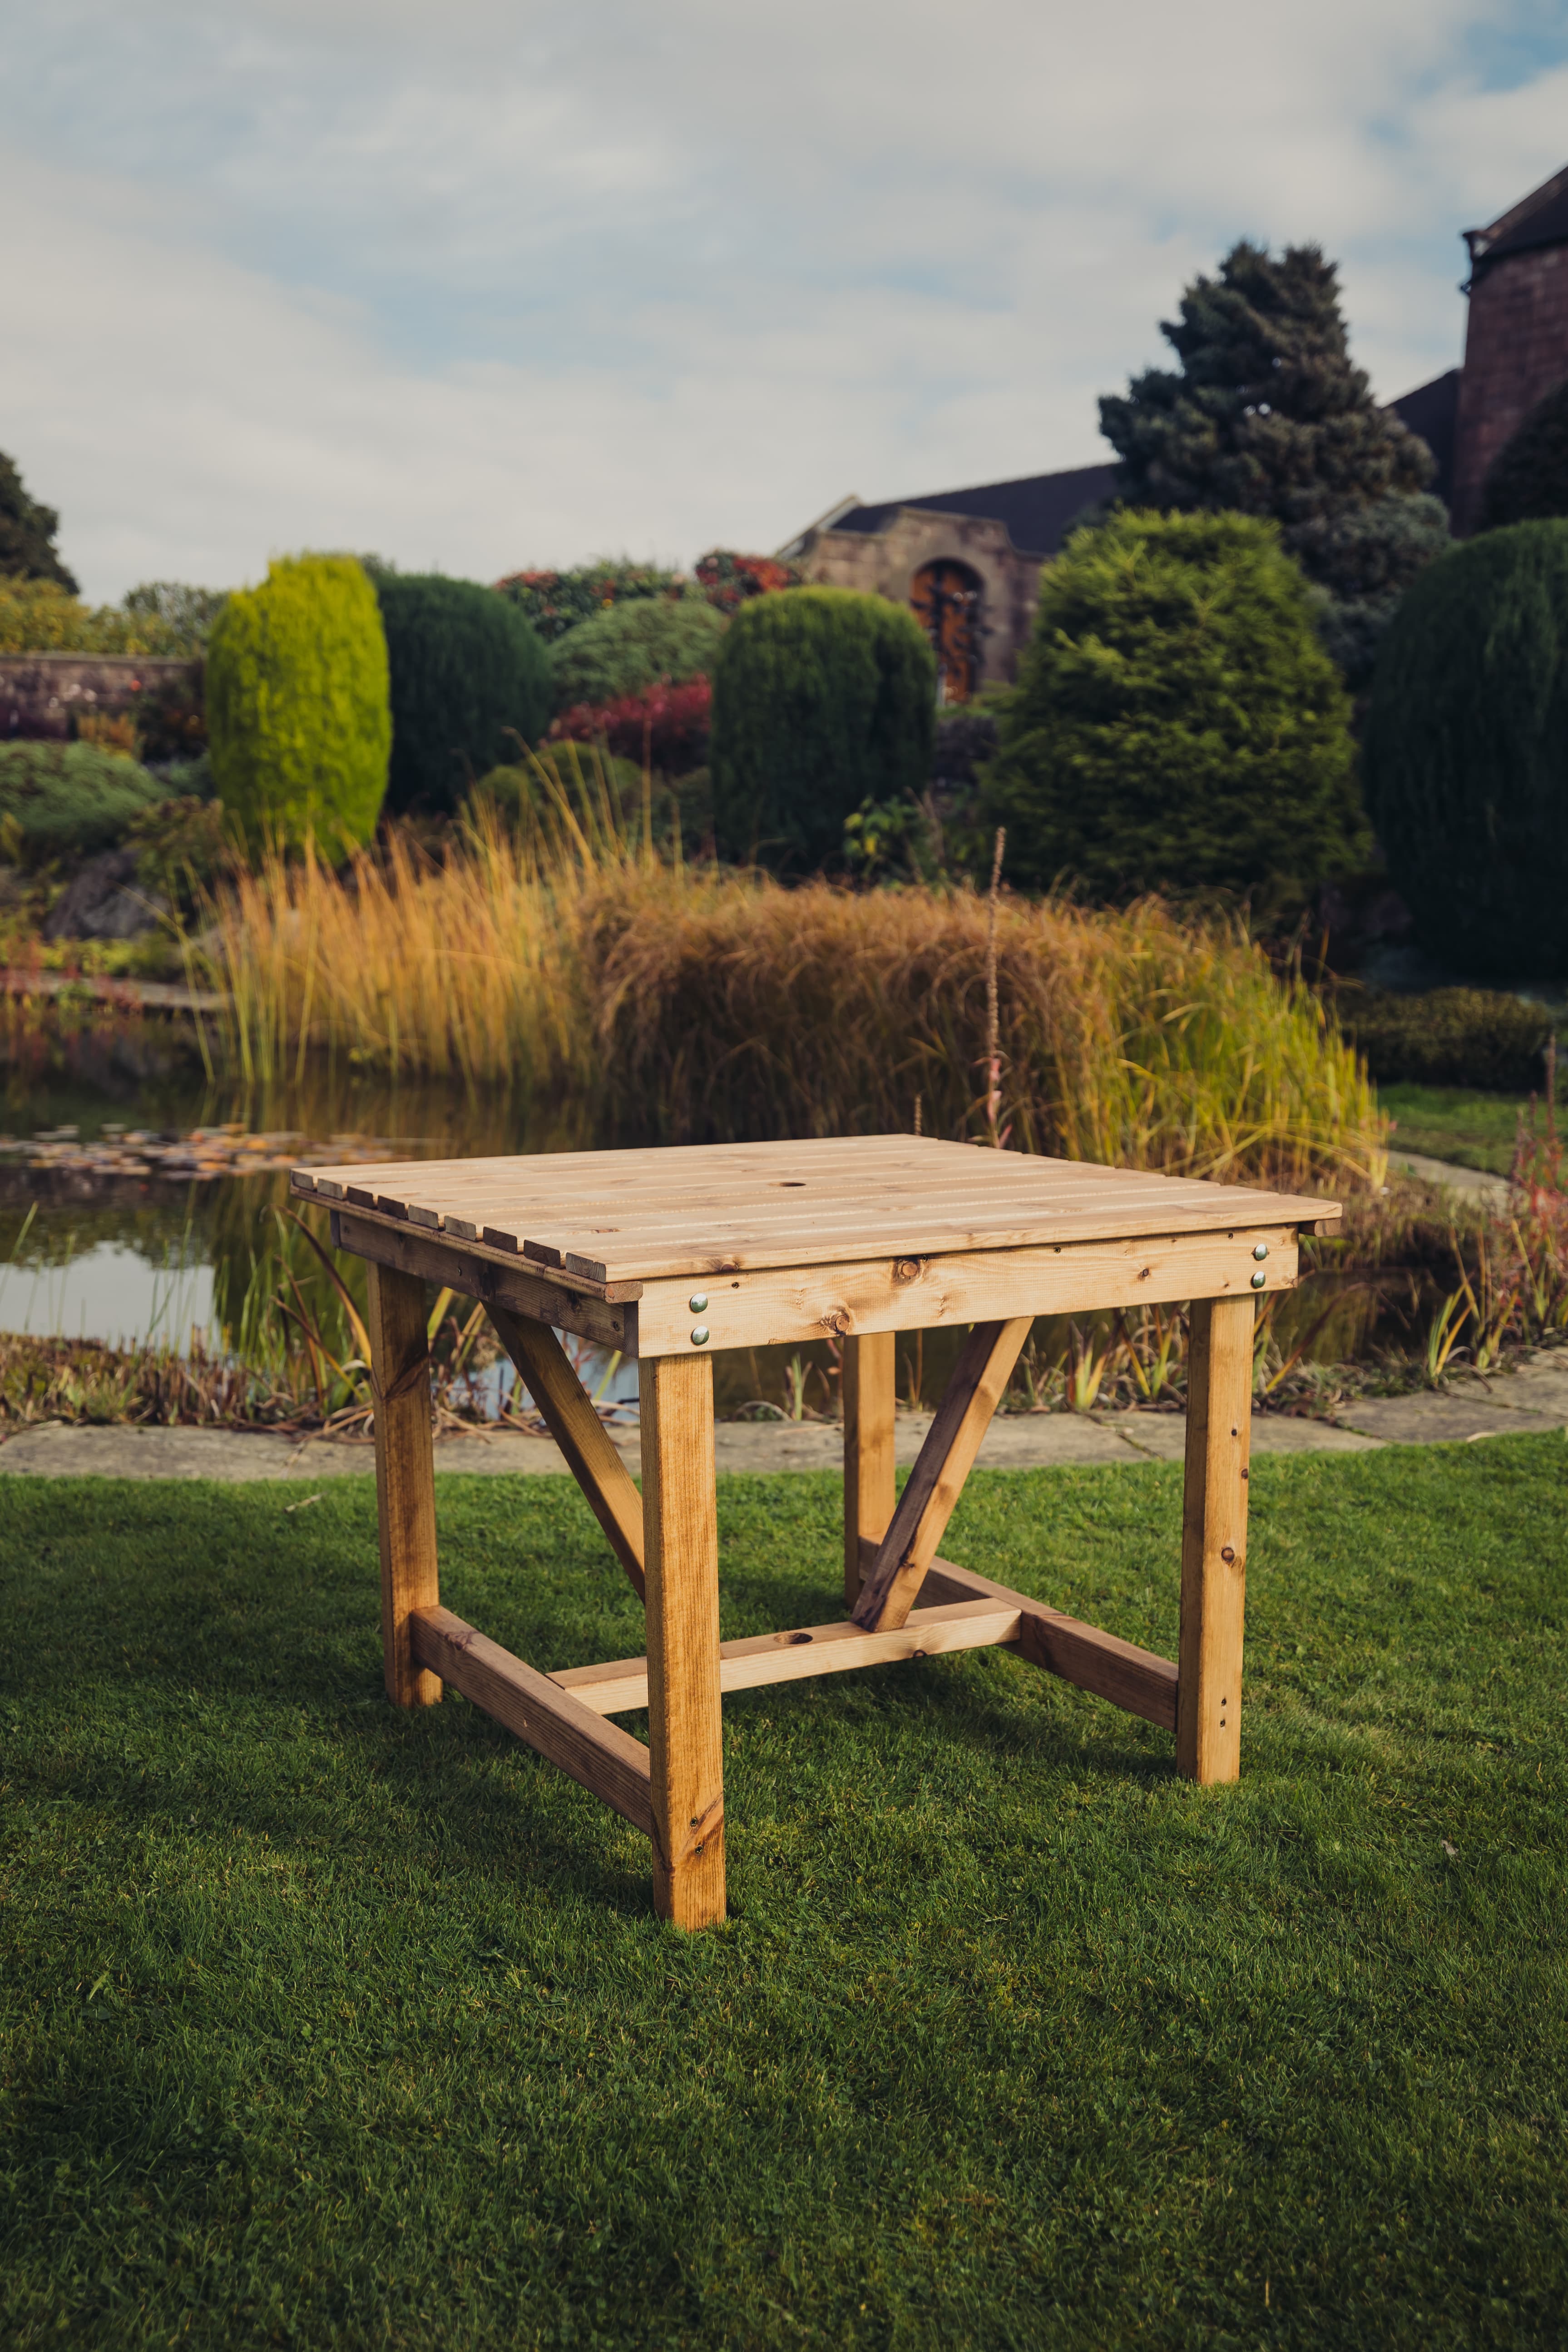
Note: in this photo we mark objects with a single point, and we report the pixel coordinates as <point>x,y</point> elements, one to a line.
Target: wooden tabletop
<point>627,1217</point>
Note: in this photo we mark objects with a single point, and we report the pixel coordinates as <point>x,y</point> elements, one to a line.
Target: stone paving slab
<point>1534,1399</point>
<point>1163,1436</point>
<point>1441,1420</point>
<point>1449,1173</point>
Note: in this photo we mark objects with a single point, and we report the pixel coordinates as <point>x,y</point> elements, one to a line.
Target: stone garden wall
<point>42,694</point>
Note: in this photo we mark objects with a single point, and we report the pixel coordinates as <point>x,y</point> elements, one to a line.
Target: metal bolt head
<point>1260,1251</point>
<point>1259,1280</point>
<point>699,1336</point>
<point>697,1302</point>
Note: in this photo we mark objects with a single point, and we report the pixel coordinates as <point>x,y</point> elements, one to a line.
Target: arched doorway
<point>945,598</point>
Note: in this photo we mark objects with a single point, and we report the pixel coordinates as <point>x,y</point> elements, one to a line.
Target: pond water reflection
<point>141,1256</point>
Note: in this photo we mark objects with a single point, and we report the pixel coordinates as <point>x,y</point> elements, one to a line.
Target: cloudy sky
<point>479,286</point>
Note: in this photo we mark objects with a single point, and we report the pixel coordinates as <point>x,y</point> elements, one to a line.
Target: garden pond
<point>142,1203</point>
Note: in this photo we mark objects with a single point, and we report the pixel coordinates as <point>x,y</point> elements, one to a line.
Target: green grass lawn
<point>1456,1124</point>
<point>325,2026</point>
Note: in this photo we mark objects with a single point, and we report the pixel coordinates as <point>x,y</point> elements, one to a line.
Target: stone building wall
<point>42,694</point>
<point>1516,350</point>
<point>884,563</point>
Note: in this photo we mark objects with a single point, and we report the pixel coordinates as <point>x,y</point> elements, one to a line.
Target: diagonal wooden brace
<point>569,1415</point>
<point>977,1386</point>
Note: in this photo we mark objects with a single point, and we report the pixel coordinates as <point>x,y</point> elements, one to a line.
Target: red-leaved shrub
<point>666,725</point>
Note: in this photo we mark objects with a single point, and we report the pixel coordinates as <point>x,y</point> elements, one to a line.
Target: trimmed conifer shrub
<point>632,646</point>
<point>66,800</point>
<point>1466,753</point>
<point>298,711</point>
<point>1178,723</point>
<point>469,676</point>
<point>822,698</point>
<point>1527,481</point>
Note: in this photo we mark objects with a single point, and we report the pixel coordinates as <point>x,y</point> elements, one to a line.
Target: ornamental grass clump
<point>732,1010</point>
<point>668,1003</point>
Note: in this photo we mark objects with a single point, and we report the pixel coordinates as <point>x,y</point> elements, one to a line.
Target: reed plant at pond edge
<point>679,1005</point>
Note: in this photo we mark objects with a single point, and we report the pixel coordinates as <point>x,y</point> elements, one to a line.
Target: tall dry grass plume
<point>675,1004</point>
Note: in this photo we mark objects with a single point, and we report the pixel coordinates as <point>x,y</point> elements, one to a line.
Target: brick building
<point>1516,341</point>
<point>968,561</point>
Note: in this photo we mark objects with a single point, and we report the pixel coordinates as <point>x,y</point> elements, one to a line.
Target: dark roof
<point>1541,218</point>
<point>1432,410</point>
<point>1037,510</point>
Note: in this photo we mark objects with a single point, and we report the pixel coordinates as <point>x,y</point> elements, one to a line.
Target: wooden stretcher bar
<point>1138,1680</point>
<point>621,1683</point>
<point>605,1758</point>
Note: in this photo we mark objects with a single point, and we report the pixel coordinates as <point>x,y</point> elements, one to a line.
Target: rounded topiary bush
<point>822,698</point>
<point>469,678</point>
<point>1466,754</point>
<point>632,646</point>
<point>1177,722</point>
<point>297,712</point>
<point>67,800</point>
<point>1527,481</point>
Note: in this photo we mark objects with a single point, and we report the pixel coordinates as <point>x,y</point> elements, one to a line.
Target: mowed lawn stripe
<point>329,2026</point>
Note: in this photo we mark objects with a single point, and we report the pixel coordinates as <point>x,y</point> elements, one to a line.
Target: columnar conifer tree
<point>1267,416</point>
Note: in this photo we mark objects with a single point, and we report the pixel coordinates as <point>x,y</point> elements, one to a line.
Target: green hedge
<point>634,645</point>
<point>469,676</point>
<point>1466,753</point>
<point>297,708</point>
<point>822,698</point>
<point>1450,1037</point>
<point>67,800</point>
<point>1177,722</point>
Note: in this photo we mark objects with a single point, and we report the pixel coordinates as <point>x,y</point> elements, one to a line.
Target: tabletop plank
<point>695,1209</point>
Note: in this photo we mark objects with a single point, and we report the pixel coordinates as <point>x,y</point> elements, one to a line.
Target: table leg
<point>868,1491</point>
<point>681,1560</point>
<point>405,1476</point>
<point>1214,1539</point>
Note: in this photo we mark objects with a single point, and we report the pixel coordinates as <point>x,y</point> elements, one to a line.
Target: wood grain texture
<point>785,1305</point>
<point>1214,1539</point>
<point>502,1282</point>
<point>613,1218</point>
<point>605,1758</point>
<point>405,1476</point>
<point>685,1716</point>
<point>621,1685</point>
<point>930,1494</point>
<point>1138,1680</point>
<point>870,1493</point>
<point>569,1415</point>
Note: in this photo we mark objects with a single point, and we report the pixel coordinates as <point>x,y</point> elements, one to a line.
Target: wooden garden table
<point>669,1255</point>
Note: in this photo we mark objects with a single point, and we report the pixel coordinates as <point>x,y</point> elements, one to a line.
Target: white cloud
<point>504,284</point>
